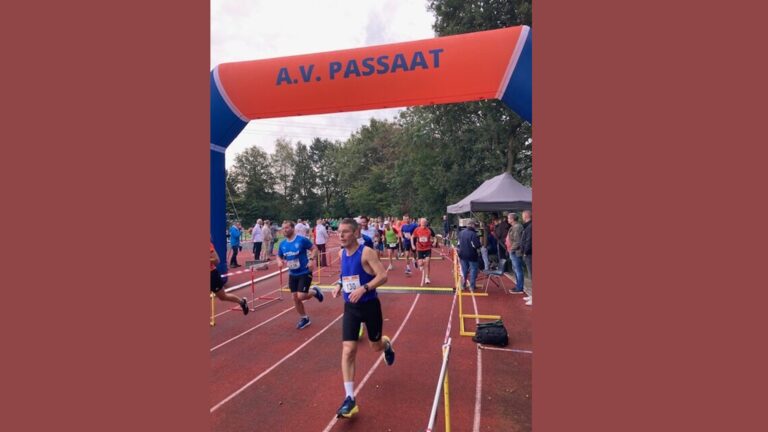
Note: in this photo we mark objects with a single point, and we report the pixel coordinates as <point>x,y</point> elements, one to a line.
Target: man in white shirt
<point>258,237</point>
<point>321,238</point>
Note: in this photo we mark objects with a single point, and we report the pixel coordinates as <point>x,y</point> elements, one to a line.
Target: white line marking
<point>251,329</point>
<point>230,397</point>
<point>505,349</point>
<point>479,382</point>
<point>378,362</point>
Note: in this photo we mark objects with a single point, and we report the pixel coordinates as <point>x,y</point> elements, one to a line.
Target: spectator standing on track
<point>266,235</point>
<point>295,252</point>
<point>257,236</point>
<point>469,243</point>
<point>321,238</point>
<point>514,236</point>
<point>234,241</point>
<point>275,230</point>
<point>528,252</point>
<point>361,274</point>
<point>500,232</point>
<point>217,285</point>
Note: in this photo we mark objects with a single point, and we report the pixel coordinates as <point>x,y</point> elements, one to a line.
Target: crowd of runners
<point>365,245</point>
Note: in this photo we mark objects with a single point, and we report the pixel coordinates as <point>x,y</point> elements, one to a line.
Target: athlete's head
<point>423,222</point>
<point>363,222</point>
<point>406,219</point>
<point>288,227</point>
<point>348,232</point>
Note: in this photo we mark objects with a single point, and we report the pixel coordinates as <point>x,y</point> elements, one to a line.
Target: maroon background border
<point>106,185</point>
<point>648,183</point>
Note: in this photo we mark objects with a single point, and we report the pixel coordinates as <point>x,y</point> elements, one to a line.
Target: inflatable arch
<point>493,64</point>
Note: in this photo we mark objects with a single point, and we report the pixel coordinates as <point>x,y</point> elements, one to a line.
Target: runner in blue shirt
<point>292,253</point>
<point>406,231</point>
<point>361,274</point>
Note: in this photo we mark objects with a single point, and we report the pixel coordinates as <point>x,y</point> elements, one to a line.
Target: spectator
<point>266,234</point>
<point>469,242</point>
<point>257,236</point>
<point>500,231</point>
<point>234,241</point>
<point>446,231</point>
<point>321,238</point>
<point>515,252</point>
<point>525,242</point>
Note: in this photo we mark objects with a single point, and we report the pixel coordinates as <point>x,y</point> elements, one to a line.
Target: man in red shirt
<point>422,240</point>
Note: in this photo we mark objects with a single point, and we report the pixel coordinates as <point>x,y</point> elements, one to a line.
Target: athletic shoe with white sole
<point>347,409</point>
<point>244,306</point>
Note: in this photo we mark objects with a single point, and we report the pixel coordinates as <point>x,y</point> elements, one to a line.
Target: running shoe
<point>426,281</point>
<point>348,408</point>
<point>389,353</point>
<point>244,305</point>
<point>304,322</point>
<point>318,293</point>
<point>407,270</point>
<point>390,267</point>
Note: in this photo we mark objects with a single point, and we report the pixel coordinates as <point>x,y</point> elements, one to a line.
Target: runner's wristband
<point>365,287</point>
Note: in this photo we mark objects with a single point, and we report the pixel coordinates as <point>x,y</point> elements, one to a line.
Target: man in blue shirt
<point>234,241</point>
<point>292,253</point>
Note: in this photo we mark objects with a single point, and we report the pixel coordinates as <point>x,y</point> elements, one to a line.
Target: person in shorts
<point>361,273</point>
<point>297,253</point>
<point>423,239</point>
<point>217,285</point>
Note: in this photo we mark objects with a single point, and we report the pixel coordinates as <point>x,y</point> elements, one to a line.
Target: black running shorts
<point>369,313</point>
<point>424,254</point>
<point>216,283</point>
<point>300,283</point>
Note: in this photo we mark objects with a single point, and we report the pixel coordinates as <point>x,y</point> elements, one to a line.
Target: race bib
<point>423,239</point>
<point>293,264</point>
<point>407,235</point>
<point>350,283</point>
<point>393,245</point>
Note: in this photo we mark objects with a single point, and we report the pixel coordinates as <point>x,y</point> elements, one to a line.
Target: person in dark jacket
<point>527,250</point>
<point>469,242</point>
<point>446,231</point>
<point>500,231</point>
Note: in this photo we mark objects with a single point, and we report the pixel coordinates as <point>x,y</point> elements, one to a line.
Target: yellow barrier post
<point>213,310</point>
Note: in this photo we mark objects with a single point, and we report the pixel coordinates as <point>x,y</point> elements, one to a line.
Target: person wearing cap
<point>469,242</point>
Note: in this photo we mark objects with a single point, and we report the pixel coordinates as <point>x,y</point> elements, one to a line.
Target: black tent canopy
<point>499,193</point>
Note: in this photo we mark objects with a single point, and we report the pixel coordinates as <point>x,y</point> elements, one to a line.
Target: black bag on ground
<point>492,333</point>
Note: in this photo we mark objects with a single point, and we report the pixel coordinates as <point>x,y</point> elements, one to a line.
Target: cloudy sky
<point>251,30</point>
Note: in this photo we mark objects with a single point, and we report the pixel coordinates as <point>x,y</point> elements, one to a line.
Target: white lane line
<point>505,349</point>
<point>250,329</point>
<point>242,389</point>
<point>479,382</point>
<point>378,362</point>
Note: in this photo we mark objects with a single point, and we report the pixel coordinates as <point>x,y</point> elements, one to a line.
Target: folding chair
<point>497,276</point>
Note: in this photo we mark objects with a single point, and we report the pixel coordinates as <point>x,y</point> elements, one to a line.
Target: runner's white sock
<point>349,387</point>
<point>305,316</point>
